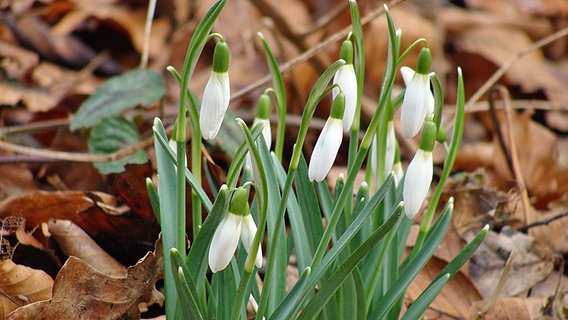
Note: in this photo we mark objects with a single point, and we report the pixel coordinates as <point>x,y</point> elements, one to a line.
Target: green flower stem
<point>407,51</point>
<point>448,164</point>
<point>279,95</point>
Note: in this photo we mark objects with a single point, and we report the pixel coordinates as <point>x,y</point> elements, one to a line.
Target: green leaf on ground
<point>111,135</point>
<point>136,87</point>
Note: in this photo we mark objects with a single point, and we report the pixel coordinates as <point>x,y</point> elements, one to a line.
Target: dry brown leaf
<point>81,292</point>
<point>40,206</point>
<point>21,285</point>
<point>15,179</point>
<point>499,44</point>
<point>552,235</point>
<point>454,300</point>
<point>513,309</point>
<point>538,156</point>
<point>529,267</point>
<point>76,242</point>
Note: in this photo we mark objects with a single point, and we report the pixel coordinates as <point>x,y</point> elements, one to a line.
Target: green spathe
<point>424,61</point>
<point>428,138</point>
<point>221,57</point>
<point>346,51</point>
<point>239,202</point>
<point>263,107</point>
<point>337,107</point>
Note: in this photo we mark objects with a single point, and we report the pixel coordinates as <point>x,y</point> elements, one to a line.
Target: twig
<point>147,30</point>
<point>514,156</point>
<point>495,295</point>
<point>340,35</point>
<point>507,65</point>
<point>542,222</point>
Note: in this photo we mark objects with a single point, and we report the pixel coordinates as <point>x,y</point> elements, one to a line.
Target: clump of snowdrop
<point>217,93</point>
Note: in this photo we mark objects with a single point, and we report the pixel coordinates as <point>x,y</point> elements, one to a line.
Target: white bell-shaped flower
<point>216,95</point>
<point>418,99</point>
<point>237,223</point>
<point>390,150</point>
<point>346,80</point>
<point>328,143</point>
<point>417,182</point>
<point>419,173</point>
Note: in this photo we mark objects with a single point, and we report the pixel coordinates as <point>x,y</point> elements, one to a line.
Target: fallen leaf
<point>81,292</point>
<point>21,285</point>
<point>513,308</point>
<point>499,44</point>
<point>73,241</point>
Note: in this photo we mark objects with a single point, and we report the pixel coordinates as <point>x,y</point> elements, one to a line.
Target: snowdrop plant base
<point>215,276</point>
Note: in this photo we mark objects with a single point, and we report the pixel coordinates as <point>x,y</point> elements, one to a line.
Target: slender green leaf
<point>414,266</point>
<point>185,289</point>
<point>309,206</point>
<point>328,288</point>
<point>170,227</point>
<point>113,134</point>
<point>136,87</point>
<point>298,231</point>
<point>280,91</point>
<point>418,307</point>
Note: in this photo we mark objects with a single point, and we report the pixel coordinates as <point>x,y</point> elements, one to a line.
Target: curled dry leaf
<point>512,308</point>
<point>76,242</point>
<point>21,285</point>
<point>81,292</point>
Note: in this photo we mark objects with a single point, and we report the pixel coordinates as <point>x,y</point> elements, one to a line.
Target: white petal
<point>398,173</point>
<point>407,74</point>
<point>224,242</point>
<point>391,147</point>
<point>215,102</point>
<point>247,235</point>
<point>346,79</point>
<point>326,149</point>
<point>417,182</point>
<point>266,130</point>
<point>415,105</point>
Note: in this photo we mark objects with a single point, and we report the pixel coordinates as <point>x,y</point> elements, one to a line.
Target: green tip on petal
<point>239,202</point>
<point>424,61</point>
<point>346,52</point>
<point>428,138</point>
<point>338,106</point>
<point>263,107</point>
<point>221,57</point>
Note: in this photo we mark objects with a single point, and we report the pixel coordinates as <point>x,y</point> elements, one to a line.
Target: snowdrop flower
<point>328,142</point>
<point>397,167</point>
<point>419,173</point>
<point>347,81</point>
<point>217,93</point>
<point>262,117</point>
<point>418,99</point>
<point>237,223</point>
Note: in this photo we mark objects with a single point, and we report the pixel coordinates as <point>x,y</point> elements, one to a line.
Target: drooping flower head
<point>419,173</point>
<point>418,99</point>
<point>329,141</point>
<point>236,223</point>
<point>346,80</point>
<point>262,117</point>
<point>217,93</point>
